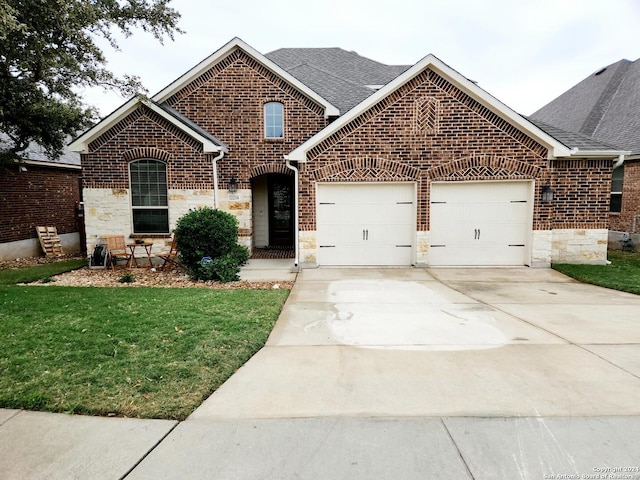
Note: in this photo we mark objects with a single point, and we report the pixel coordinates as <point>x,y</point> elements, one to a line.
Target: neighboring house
<point>606,107</point>
<point>350,162</point>
<point>39,191</point>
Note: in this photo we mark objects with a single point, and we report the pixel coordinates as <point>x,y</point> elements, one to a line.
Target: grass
<point>135,352</point>
<point>623,273</point>
<point>11,276</point>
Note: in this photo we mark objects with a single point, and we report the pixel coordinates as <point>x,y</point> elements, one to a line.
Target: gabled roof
<point>209,142</point>
<point>342,77</point>
<point>210,61</point>
<point>605,106</point>
<point>556,148</point>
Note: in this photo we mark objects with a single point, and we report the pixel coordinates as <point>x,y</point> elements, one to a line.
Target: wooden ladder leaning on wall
<point>49,241</point>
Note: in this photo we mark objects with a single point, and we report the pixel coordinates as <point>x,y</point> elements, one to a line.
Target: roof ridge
<point>330,74</point>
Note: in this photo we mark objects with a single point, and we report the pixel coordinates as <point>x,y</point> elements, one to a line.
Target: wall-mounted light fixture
<point>547,194</point>
<point>233,185</point>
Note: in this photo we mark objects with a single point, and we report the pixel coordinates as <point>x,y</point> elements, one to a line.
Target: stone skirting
<point>579,246</point>
<point>108,211</point>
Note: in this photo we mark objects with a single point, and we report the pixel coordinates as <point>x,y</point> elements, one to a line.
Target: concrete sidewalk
<point>391,373</point>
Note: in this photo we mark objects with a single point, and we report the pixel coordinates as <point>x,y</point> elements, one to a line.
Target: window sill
<point>274,140</point>
<point>149,235</point>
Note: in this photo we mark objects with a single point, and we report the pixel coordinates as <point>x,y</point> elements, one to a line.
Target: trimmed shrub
<point>211,235</point>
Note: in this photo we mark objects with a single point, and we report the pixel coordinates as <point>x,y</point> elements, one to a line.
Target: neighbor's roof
<point>605,106</point>
<point>36,153</point>
<point>575,141</point>
<point>344,78</point>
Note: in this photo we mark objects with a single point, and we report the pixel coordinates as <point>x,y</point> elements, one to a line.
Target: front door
<point>281,205</point>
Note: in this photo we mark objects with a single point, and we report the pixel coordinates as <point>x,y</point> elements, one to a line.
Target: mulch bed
<point>142,277</point>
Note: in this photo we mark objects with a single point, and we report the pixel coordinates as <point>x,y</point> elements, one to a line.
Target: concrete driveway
<point>442,342</point>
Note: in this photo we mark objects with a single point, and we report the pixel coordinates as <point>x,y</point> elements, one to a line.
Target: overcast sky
<point>524,53</point>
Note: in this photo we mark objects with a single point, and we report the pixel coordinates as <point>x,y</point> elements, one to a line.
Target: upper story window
<point>273,120</point>
<point>149,199</point>
<point>615,204</point>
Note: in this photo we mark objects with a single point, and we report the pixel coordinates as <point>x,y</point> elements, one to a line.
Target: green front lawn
<point>11,276</point>
<point>623,273</point>
<point>136,352</point>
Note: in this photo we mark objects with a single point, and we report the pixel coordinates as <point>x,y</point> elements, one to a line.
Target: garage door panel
<point>366,224</point>
<point>479,223</point>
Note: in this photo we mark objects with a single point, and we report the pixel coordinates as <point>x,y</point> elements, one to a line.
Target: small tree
<point>208,245</point>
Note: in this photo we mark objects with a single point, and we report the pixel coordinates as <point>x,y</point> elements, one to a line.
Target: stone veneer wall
<point>239,205</point>
<point>579,246</point>
<point>307,242</point>
<point>109,212</point>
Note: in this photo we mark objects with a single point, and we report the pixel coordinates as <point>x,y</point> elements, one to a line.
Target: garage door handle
<point>365,234</point>
<point>476,234</point>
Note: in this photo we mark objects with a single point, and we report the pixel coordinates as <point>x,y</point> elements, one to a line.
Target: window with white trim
<point>615,205</point>
<point>273,120</point>
<point>149,199</point>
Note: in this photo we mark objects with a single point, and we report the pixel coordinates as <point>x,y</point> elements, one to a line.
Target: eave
<point>81,144</point>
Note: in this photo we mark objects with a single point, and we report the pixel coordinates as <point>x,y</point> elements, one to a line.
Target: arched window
<point>149,199</point>
<point>273,120</point>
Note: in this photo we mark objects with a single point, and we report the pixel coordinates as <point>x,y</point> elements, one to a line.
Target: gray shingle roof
<point>343,78</point>
<point>192,125</point>
<point>605,106</point>
<point>573,140</point>
<point>36,153</point>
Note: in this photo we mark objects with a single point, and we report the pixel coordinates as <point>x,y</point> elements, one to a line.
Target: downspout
<point>296,232</point>
<point>619,162</point>
<point>214,162</point>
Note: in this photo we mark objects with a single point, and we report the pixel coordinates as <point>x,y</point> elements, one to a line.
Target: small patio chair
<point>170,258</point>
<point>117,249</point>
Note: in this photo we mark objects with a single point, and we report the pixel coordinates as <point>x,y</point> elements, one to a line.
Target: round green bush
<point>211,233</point>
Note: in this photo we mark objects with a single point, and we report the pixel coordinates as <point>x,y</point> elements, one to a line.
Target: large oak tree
<point>49,51</point>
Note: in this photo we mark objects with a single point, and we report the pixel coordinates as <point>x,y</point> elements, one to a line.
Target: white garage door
<point>366,223</point>
<point>480,223</point>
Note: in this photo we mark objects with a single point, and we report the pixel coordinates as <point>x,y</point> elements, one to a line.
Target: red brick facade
<point>144,134</point>
<point>228,102</point>
<point>466,142</point>
<point>39,196</point>
<point>623,221</point>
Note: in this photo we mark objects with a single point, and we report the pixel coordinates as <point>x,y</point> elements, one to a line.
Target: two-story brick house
<point>350,162</point>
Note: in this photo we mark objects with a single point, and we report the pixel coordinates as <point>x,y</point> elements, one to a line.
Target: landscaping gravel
<point>142,277</point>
